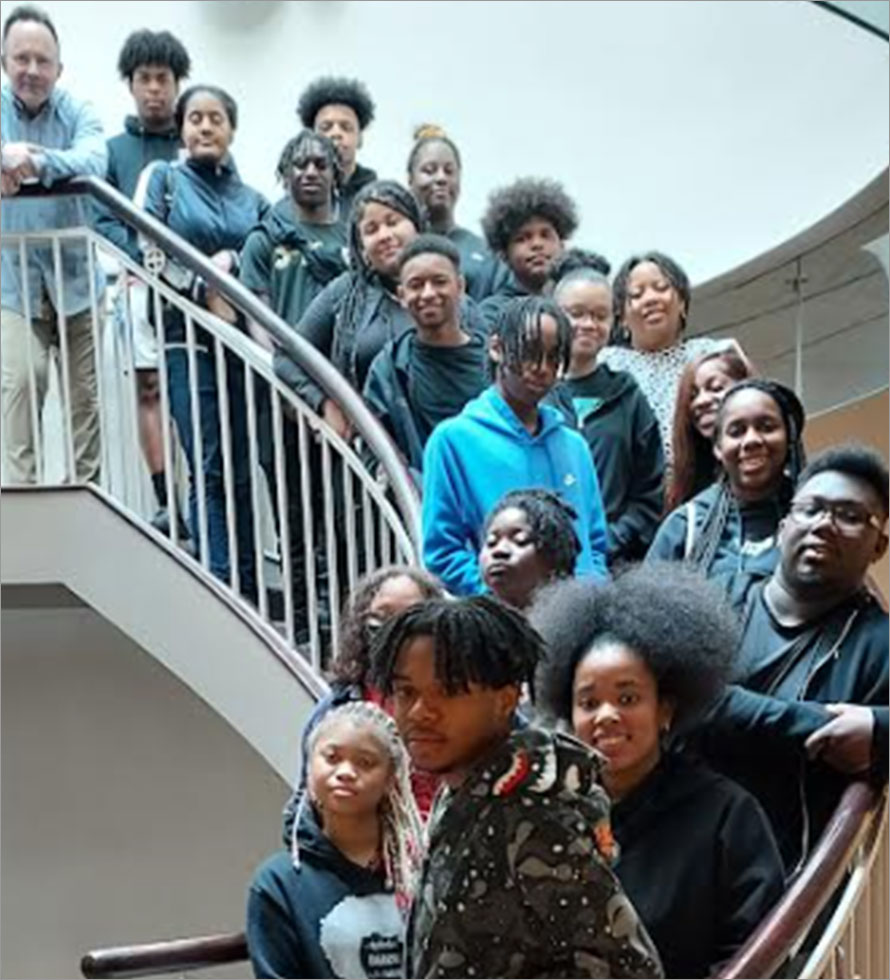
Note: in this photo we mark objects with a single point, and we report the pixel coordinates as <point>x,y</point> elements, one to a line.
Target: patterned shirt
<point>658,375</point>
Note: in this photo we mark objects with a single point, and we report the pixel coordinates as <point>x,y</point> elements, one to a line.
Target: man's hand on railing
<point>19,161</point>
<point>336,419</point>
<point>9,184</point>
<point>845,742</point>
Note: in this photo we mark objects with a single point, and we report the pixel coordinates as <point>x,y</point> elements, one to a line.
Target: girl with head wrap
<point>731,525</point>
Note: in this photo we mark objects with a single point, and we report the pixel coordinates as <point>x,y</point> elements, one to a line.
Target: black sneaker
<point>161,522</point>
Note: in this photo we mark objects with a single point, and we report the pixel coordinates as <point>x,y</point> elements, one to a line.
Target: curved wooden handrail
<point>171,956</point>
<point>777,937</point>
<point>784,928</point>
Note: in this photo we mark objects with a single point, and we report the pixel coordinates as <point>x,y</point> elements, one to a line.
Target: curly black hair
<point>675,620</point>
<point>551,520</point>
<point>851,459</point>
<point>153,48</point>
<point>531,197</point>
<point>671,269</point>
<point>294,147</point>
<point>477,640</point>
<point>336,91</point>
<point>351,662</point>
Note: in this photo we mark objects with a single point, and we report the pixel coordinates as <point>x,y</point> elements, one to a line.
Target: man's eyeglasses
<point>846,515</point>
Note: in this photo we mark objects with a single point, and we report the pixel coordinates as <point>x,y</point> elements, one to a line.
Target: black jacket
<point>361,176</point>
<point>698,861</point>
<point>326,918</point>
<point>407,410</point>
<point>614,416</point>
<point>492,307</point>
<point>747,544</point>
<point>129,153</point>
<point>772,708</point>
<point>484,272</point>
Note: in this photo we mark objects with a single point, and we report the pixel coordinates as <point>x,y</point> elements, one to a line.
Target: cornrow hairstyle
<point>705,546</point>
<point>428,243</point>
<point>295,146</point>
<point>852,459</point>
<point>159,48</point>
<point>672,271</point>
<point>29,12</point>
<point>363,277</point>
<point>402,834</point>
<point>551,521</point>
<point>428,133</point>
<point>519,328</point>
<point>693,457</point>
<point>509,208</point>
<point>676,621</point>
<point>580,263</point>
<point>477,640</point>
<point>228,103</point>
<point>336,91</point>
<point>352,660</point>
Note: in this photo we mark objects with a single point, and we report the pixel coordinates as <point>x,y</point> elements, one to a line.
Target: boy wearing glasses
<point>808,709</point>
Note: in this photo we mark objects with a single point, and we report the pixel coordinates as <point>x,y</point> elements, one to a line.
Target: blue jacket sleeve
<point>106,224</point>
<point>449,547</point>
<point>669,543</point>
<point>594,551</point>
<point>87,155</point>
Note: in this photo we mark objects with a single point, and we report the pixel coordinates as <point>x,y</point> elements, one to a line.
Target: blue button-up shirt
<point>72,143</point>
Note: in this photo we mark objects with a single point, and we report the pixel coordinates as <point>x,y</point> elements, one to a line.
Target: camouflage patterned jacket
<point>517,880</point>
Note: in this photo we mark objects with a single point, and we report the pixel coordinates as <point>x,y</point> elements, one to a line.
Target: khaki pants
<point>20,438</point>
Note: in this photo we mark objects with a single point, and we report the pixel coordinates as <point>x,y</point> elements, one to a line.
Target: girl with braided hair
<point>336,905</point>
<point>731,526</point>
<point>434,175</point>
<point>355,315</point>
<point>528,540</point>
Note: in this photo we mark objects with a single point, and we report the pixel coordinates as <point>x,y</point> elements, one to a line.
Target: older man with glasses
<point>808,709</point>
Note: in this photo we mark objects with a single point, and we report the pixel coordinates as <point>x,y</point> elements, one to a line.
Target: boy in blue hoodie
<point>506,440</point>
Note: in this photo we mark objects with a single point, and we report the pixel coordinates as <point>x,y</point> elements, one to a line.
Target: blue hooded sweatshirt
<point>472,460</point>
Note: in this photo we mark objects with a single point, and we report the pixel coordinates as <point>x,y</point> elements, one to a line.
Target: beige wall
<point>865,421</point>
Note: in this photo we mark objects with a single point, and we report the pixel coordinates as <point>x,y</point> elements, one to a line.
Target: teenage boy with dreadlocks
<point>341,109</point>
<point>507,440</point>
<point>299,247</point>
<point>516,882</point>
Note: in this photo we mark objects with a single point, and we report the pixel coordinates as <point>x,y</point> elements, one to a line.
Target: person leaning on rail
<point>47,135</point>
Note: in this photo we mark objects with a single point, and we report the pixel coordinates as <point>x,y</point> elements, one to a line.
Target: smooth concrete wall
<point>131,811</point>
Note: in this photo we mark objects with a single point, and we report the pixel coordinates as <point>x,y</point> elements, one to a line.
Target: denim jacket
<point>70,134</point>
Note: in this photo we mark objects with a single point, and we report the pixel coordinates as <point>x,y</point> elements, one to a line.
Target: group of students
<point>451,819</point>
<point>495,365</point>
<point>724,727</point>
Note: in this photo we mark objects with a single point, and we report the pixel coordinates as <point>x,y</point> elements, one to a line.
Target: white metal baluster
<point>304,437</point>
<point>330,528</point>
<point>287,578</point>
<point>253,438</point>
<point>368,525</point>
<point>35,407</point>
<point>385,553</point>
<point>197,441</point>
<point>132,448</point>
<point>104,448</point>
<point>351,535</point>
<point>166,420</point>
<point>64,356</point>
<point>225,441</point>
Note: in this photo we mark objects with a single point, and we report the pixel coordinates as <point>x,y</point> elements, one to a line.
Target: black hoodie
<point>326,918</point>
<point>615,419</point>
<point>129,153</point>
